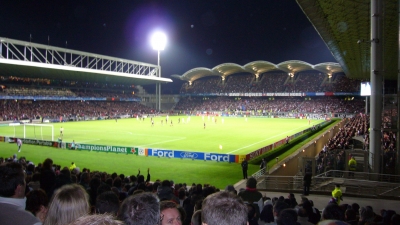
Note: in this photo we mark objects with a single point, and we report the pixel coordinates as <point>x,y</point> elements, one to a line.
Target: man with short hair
<point>140,209</point>
<point>12,196</point>
<point>223,208</point>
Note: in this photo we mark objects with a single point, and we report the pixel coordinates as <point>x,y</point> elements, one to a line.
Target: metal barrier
<point>363,184</point>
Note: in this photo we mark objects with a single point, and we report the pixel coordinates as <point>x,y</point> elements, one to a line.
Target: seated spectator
<point>196,218</point>
<point>96,219</point>
<point>170,213</point>
<point>12,196</point>
<point>287,217</point>
<point>332,212</point>
<point>37,203</point>
<point>68,203</point>
<point>350,217</point>
<point>140,209</point>
<point>107,202</point>
<point>252,216</point>
<point>223,208</point>
<point>303,217</point>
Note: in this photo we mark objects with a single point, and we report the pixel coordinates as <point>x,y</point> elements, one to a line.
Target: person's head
<point>279,207</point>
<point>141,209</point>
<point>107,202</point>
<point>12,180</point>
<point>170,213</point>
<point>196,218</point>
<point>287,217</point>
<point>47,164</point>
<point>67,204</point>
<point>302,212</point>
<point>350,215</point>
<point>96,219</point>
<point>223,208</point>
<point>332,212</point>
<point>37,203</point>
<point>366,214</point>
<point>251,183</point>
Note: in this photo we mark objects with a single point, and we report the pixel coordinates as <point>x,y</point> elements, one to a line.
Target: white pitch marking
<point>263,140</point>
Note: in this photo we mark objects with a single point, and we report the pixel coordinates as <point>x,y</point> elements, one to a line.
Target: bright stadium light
<point>158,41</point>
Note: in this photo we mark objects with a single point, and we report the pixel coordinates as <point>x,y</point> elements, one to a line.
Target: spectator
<point>332,212</point>
<point>196,218</point>
<point>223,208</point>
<point>48,177</point>
<point>140,209</point>
<point>337,194</point>
<point>107,202</point>
<point>12,196</point>
<point>68,203</point>
<point>37,203</point>
<point>252,196</point>
<point>287,217</point>
<point>100,219</point>
<point>170,213</point>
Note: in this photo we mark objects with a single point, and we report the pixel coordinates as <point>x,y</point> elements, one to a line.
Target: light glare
<point>158,41</point>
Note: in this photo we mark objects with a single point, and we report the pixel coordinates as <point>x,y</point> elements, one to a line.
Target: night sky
<point>200,33</point>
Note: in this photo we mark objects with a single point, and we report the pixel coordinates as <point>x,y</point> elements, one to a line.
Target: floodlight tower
<point>158,41</point>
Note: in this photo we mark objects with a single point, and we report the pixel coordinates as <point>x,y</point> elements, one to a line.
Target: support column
<point>366,105</point>
<point>376,86</point>
<point>398,101</point>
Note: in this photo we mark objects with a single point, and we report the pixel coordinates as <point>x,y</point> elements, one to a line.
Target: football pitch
<point>226,135</point>
<point>235,135</point>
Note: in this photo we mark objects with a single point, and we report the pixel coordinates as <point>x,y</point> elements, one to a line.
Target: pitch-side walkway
<point>320,201</point>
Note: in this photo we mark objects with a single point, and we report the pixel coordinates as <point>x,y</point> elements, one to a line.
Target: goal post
<point>34,131</point>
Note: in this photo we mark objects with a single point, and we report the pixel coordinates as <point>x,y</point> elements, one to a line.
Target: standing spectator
<point>244,168</point>
<point>19,144</point>
<point>12,196</point>
<point>262,165</point>
<point>307,182</point>
<point>48,177</point>
<point>251,195</point>
<point>223,208</point>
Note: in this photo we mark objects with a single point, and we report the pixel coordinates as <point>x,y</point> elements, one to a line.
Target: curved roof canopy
<point>345,27</point>
<point>257,68</point>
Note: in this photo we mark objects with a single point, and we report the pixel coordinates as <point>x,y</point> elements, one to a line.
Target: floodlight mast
<point>158,41</point>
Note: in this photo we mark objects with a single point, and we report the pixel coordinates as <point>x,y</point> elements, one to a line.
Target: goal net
<point>34,131</point>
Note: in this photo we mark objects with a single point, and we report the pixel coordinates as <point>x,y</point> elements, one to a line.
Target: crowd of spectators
<point>272,104</point>
<point>273,83</point>
<point>333,157</point>
<point>16,86</point>
<point>48,194</point>
<point>27,109</point>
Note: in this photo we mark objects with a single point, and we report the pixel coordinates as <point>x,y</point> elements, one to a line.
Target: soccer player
<point>61,131</point>
<point>19,144</point>
<point>73,146</point>
<point>152,123</point>
<point>171,124</point>
<point>204,125</point>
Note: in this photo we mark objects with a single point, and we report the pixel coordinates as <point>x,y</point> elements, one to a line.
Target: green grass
<point>236,135</point>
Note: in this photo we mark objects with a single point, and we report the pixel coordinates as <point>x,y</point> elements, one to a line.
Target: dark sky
<point>201,33</point>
